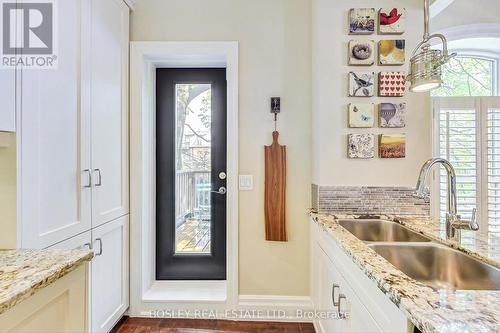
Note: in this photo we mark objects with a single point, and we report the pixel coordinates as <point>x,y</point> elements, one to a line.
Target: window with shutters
<point>467,133</point>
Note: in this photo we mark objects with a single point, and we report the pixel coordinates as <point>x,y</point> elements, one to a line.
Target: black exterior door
<point>191,174</point>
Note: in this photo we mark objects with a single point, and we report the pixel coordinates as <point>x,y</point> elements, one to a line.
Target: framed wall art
<point>392,145</point>
<point>391,52</point>
<point>361,146</point>
<point>361,84</point>
<point>361,52</point>
<point>362,21</point>
<point>392,21</point>
<point>391,84</point>
<point>361,115</point>
<point>392,115</point>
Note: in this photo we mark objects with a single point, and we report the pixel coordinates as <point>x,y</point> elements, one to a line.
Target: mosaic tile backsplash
<point>370,200</point>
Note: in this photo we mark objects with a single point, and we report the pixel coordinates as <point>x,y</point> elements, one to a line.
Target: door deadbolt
<point>222,175</point>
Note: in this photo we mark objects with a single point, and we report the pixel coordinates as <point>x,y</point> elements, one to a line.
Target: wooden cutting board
<point>275,192</point>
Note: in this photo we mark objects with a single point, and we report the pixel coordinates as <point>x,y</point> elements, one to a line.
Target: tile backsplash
<point>371,200</point>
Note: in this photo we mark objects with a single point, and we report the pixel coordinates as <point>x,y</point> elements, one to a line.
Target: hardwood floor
<point>153,325</point>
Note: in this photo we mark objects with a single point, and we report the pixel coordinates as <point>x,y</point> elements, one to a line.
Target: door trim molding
<point>145,57</point>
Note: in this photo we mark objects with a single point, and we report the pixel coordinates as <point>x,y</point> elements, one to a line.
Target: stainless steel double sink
<point>434,264</point>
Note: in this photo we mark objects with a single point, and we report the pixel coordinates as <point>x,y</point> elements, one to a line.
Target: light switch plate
<point>246,182</point>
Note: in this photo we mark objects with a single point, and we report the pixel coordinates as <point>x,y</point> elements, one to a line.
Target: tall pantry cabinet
<point>72,129</point>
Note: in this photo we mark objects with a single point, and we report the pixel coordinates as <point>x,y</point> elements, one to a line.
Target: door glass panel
<point>193,209</point>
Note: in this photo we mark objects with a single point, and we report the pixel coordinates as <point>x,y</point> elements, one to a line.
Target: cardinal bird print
<point>392,21</point>
<point>391,84</point>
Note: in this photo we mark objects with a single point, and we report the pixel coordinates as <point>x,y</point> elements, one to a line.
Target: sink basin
<point>381,231</point>
<point>439,266</point>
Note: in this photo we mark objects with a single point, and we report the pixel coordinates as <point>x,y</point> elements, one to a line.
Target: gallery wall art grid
<point>365,52</point>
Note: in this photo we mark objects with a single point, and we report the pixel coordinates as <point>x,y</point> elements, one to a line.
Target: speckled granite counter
<point>23,272</point>
<point>431,310</point>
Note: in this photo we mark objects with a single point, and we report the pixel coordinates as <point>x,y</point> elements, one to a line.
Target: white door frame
<point>146,294</point>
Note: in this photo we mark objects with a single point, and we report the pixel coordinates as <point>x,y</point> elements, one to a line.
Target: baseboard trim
<point>275,301</point>
<point>275,307</point>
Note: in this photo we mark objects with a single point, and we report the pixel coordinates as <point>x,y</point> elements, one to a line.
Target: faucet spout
<point>453,221</point>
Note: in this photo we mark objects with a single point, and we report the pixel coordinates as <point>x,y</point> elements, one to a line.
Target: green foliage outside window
<point>467,76</point>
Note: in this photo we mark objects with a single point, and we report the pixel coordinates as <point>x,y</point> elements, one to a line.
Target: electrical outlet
<point>246,182</point>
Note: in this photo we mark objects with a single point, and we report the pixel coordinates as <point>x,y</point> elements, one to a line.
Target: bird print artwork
<point>392,21</point>
<point>361,84</point>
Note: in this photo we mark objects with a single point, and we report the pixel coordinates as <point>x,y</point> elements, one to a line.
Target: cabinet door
<point>54,135</point>
<point>110,296</point>
<point>359,319</point>
<point>79,241</point>
<point>109,86</point>
<point>330,286</point>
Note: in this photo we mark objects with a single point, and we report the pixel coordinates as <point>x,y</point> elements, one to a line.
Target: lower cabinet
<point>338,297</point>
<point>344,297</point>
<point>59,307</point>
<point>109,282</point>
<point>109,272</point>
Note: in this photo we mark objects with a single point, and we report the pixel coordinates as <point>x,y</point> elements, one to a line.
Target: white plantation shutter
<point>457,142</point>
<point>492,108</point>
<point>466,132</point>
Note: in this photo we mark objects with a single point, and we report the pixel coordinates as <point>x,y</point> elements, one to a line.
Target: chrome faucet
<point>454,223</point>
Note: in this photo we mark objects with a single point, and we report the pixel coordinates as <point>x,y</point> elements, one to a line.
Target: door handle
<point>89,178</point>
<point>99,177</point>
<point>334,286</point>
<point>222,190</point>
<point>100,247</point>
<point>341,297</point>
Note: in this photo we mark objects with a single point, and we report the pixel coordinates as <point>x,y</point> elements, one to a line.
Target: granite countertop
<point>24,272</point>
<point>430,309</point>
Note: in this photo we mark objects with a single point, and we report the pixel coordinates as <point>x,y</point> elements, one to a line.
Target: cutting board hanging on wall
<point>275,192</point>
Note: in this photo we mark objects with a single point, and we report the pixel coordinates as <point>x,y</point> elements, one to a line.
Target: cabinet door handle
<point>99,177</point>
<point>100,247</point>
<point>341,297</point>
<point>89,178</point>
<point>334,286</point>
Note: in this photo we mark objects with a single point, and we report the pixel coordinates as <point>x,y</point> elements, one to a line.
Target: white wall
<point>329,79</point>
<point>275,60</point>
<point>464,12</point>
<point>8,191</point>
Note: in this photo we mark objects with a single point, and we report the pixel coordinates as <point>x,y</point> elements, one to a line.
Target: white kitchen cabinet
<point>83,240</point>
<point>329,290</point>
<point>8,98</point>
<point>54,196</point>
<point>110,293</point>
<point>335,288</point>
<point>369,310</point>
<point>59,307</point>
<point>109,105</point>
<point>73,146</point>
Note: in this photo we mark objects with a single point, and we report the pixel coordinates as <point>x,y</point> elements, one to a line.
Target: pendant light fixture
<point>426,63</point>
